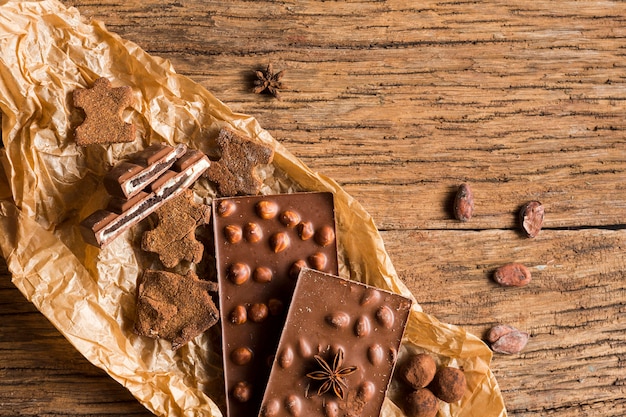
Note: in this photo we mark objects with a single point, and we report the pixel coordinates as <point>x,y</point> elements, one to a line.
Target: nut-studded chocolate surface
<point>260,250</point>
<point>337,350</point>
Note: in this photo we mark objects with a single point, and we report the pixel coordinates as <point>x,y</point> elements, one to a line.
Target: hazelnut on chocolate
<point>233,233</point>
<point>258,312</point>
<point>262,274</point>
<point>289,218</point>
<point>318,261</point>
<point>305,230</point>
<point>225,208</point>
<point>239,273</point>
<point>325,236</point>
<point>296,267</point>
<point>384,316</point>
<point>419,370</point>
<point>279,241</point>
<point>275,306</point>
<point>421,403</point>
<point>241,356</point>
<point>252,232</point>
<point>266,209</point>
<point>239,315</point>
<point>449,384</point>
<point>242,391</point>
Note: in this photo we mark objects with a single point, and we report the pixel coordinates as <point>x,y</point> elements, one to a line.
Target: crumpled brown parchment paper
<point>49,184</point>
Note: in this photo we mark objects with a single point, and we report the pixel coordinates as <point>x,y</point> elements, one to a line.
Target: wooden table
<point>400,102</point>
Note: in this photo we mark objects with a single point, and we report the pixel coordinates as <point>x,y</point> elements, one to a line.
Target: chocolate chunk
<point>174,307</point>
<point>256,282</point>
<point>234,173</point>
<point>103,106</point>
<point>129,177</point>
<point>103,226</point>
<point>346,366</point>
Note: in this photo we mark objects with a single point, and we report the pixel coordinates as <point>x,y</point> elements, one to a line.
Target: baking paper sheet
<point>49,184</point>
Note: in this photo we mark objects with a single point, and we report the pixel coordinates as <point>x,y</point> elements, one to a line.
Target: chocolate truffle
<point>449,384</point>
<point>419,370</point>
<point>421,403</point>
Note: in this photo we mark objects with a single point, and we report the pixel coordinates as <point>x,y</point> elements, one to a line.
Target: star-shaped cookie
<point>103,106</point>
<point>234,173</point>
<point>174,237</point>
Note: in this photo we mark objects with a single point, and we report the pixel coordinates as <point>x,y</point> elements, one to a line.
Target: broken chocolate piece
<point>103,106</point>
<point>257,280</point>
<point>234,173</point>
<point>350,351</point>
<point>101,228</point>
<point>174,237</point>
<point>174,307</point>
<point>129,177</point>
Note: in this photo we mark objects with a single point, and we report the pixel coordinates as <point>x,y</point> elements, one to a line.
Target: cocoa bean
<point>512,275</point>
<point>464,203</point>
<point>531,218</point>
<point>507,339</point>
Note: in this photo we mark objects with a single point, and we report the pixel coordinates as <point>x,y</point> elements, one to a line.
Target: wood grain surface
<point>400,102</point>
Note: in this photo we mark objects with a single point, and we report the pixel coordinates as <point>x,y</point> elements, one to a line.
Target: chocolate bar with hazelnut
<point>103,226</point>
<point>129,177</point>
<point>261,244</point>
<point>337,350</point>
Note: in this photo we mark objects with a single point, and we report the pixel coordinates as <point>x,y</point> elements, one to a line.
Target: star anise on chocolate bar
<point>268,81</point>
<point>333,376</point>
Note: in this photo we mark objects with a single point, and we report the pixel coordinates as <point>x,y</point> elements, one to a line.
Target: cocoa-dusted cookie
<point>103,106</point>
<point>174,238</point>
<point>234,172</point>
<point>174,307</point>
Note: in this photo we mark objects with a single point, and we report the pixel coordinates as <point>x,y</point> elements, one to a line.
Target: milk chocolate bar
<point>337,350</point>
<point>261,244</point>
<point>128,178</point>
<point>103,226</point>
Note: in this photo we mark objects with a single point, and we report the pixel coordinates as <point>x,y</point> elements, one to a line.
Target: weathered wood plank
<point>41,374</point>
<point>574,309</point>
<point>415,100</point>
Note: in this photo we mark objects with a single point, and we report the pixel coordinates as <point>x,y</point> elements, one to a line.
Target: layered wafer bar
<point>261,244</point>
<point>128,178</point>
<point>103,226</point>
<point>337,350</point>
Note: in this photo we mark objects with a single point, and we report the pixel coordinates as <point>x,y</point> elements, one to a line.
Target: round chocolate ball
<point>421,403</point>
<point>449,384</point>
<point>419,370</point>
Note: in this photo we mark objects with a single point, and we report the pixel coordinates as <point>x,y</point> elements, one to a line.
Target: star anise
<point>269,81</point>
<point>333,376</point>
